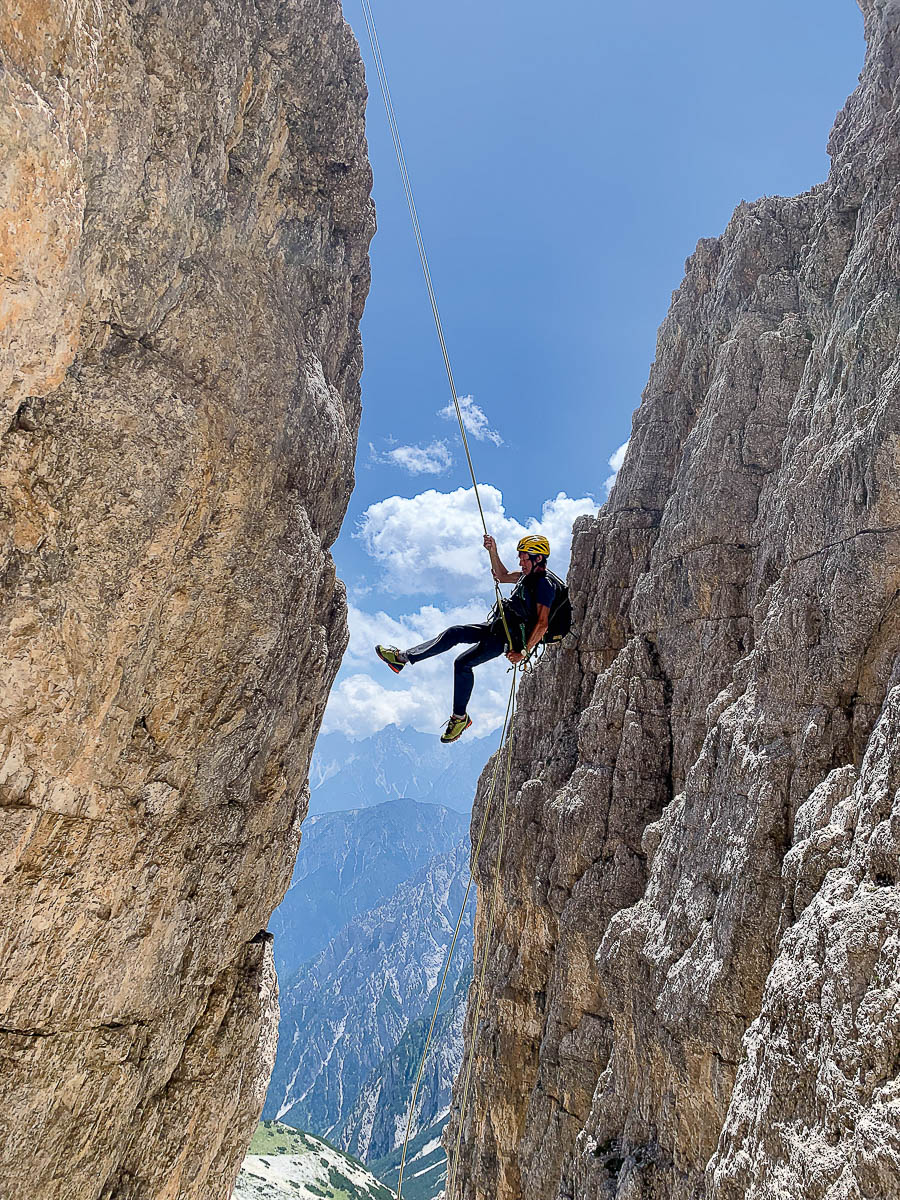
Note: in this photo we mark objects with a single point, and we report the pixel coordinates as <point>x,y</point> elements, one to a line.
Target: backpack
<point>560,621</point>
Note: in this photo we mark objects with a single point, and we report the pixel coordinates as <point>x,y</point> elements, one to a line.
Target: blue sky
<point>565,163</point>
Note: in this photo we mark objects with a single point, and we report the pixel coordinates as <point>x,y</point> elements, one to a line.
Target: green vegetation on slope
<point>274,1137</point>
<point>424,1175</point>
<point>284,1163</point>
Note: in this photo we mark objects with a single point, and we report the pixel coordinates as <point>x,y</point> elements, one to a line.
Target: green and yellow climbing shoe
<point>391,655</point>
<point>456,727</point>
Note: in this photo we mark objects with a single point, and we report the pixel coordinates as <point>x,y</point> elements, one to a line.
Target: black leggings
<point>485,646</point>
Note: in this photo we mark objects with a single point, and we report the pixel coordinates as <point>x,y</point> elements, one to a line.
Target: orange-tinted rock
<point>183,257</point>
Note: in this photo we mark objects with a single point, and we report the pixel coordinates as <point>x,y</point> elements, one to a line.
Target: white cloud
<point>433,459</point>
<point>474,419</point>
<point>432,542</point>
<point>367,628</point>
<point>359,706</point>
<point>615,461</point>
<point>555,523</point>
<point>371,697</point>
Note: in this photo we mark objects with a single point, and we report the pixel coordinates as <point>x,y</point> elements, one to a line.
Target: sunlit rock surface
<point>695,987</point>
<point>183,266</point>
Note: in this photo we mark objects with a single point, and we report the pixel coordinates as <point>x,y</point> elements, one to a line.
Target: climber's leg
<point>488,646</point>
<point>456,635</point>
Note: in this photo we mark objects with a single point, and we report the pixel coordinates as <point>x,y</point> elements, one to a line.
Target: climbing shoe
<point>456,727</point>
<point>391,655</point>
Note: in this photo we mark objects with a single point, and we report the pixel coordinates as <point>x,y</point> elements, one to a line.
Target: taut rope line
<point>509,719</point>
<point>510,708</point>
<point>454,1164</point>
<point>420,243</point>
<point>423,258</point>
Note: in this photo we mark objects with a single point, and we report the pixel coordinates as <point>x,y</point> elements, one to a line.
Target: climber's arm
<point>498,570</point>
<point>536,635</point>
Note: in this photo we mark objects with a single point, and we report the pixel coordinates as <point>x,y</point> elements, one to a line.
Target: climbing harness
<point>506,736</point>
<point>559,621</point>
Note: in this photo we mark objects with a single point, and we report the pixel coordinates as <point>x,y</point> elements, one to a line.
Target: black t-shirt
<point>544,591</point>
<point>532,589</point>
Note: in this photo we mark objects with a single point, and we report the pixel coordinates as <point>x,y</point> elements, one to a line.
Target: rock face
<point>183,263</point>
<point>694,988</point>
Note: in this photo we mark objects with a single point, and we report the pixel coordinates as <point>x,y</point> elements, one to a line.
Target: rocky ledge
<point>183,267</point>
<point>694,993</point>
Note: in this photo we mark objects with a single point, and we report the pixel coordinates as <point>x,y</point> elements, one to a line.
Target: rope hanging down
<point>426,270</point>
<point>470,1052</point>
<point>508,721</point>
<point>506,735</point>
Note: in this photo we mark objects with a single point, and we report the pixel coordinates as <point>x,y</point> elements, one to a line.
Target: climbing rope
<point>507,727</point>
<point>426,270</point>
<point>454,1163</point>
<point>506,735</point>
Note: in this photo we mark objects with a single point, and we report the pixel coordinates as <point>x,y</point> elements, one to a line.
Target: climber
<point>528,608</point>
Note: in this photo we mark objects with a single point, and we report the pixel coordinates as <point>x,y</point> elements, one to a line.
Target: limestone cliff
<point>183,266</point>
<point>695,986</point>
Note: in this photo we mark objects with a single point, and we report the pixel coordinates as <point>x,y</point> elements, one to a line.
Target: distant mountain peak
<point>391,764</point>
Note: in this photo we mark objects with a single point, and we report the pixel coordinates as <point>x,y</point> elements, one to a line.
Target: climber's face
<point>525,563</point>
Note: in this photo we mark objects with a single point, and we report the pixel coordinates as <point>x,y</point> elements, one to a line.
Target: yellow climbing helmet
<point>534,544</point>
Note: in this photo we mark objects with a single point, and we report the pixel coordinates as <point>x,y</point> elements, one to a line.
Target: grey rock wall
<point>694,988</point>
<point>183,266</point>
